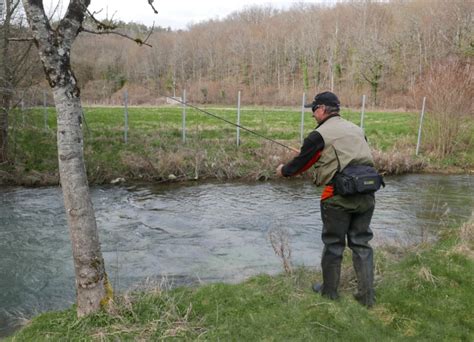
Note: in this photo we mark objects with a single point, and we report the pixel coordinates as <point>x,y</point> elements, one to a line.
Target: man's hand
<point>278,170</point>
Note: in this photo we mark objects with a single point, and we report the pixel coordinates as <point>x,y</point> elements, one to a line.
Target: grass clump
<point>424,296</point>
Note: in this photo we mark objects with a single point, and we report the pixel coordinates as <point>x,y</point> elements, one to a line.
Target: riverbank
<point>423,293</point>
<point>247,164</point>
<point>155,151</point>
<point>154,148</point>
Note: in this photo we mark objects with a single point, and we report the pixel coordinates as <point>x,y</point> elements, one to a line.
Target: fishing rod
<point>236,125</point>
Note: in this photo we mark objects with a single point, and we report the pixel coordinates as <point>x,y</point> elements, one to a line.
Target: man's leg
<point>362,256</point>
<point>336,223</point>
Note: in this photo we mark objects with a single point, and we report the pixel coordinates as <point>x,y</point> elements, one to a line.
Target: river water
<point>195,233</point>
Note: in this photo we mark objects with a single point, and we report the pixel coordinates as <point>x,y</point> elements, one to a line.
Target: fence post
<point>362,114</point>
<point>125,100</point>
<point>184,116</point>
<point>421,124</point>
<point>238,119</point>
<point>45,111</point>
<point>23,107</point>
<point>302,118</point>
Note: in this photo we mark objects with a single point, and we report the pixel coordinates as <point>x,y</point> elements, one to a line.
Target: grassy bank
<point>155,149</point>
<point>423,294</point>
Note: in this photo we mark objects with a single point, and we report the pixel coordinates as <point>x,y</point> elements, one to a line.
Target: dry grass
<point>397,161</point>
<point>280,242</point>
<point>165,317</point>
<point>465,245</point>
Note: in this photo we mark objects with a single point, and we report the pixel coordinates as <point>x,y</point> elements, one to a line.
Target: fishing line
<point>230,122</point>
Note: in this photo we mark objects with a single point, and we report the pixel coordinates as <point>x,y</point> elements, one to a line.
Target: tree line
<point>381,49</point>
<point>376,48</point>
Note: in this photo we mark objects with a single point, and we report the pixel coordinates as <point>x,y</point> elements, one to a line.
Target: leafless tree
<point>14,64</point>
<point>54,46</point>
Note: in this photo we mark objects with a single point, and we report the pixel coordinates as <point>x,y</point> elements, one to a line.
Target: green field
<point>382,128</point>
<point>155,146</point>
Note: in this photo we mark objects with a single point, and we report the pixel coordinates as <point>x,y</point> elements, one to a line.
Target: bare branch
<point>149,33</point>
<point>136,40</point>
<point>150,2</point>
<point>56,10</point>
<point>21,39</point>
<point>14,7</point>
<point>101,25</point>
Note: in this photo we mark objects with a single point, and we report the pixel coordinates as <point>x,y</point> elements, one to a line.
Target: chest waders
<point>353,223</point>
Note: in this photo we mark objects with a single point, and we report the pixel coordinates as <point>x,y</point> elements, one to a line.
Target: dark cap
<point>326,98</point>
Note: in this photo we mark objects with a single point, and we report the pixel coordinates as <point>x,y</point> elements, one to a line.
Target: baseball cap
<point>326,98</point>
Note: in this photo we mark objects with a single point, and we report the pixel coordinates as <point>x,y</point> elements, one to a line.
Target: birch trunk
<point>54,49</point>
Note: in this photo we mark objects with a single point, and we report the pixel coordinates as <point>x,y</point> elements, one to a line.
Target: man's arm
<point>310,152</point>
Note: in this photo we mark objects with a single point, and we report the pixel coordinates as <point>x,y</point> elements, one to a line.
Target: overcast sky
<point>177,14</point>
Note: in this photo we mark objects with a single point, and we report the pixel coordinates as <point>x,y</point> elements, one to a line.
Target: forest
<point>386,50</point>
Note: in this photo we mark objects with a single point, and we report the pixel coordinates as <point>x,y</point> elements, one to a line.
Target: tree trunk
<point>88,261</point>
<point>5,82</point>
<point>54,49</point>
<point>4,109</point>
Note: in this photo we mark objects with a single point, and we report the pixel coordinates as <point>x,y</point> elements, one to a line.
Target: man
<point>333,145</point>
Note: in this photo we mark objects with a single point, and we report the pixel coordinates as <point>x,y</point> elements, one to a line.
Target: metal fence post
<point>238,119</point>
<point>421,124</point>
<point>184,116</point>
<point>45,111</point>
<point>23,107</point>
<point>362,114</point>
<point>125,101</point>
<point>302,118</point>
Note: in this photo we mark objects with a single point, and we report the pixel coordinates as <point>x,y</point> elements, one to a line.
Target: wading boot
<point>364,269</point>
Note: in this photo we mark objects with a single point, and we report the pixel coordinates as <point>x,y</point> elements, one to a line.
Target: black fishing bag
<point>357,179</point>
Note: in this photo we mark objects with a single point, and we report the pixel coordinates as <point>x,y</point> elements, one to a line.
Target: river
<point>195,233</point>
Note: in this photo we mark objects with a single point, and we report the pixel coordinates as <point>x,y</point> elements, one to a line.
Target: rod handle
<point>296,150</point>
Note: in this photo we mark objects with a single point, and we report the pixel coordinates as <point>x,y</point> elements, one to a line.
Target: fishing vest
<point>344,144</point>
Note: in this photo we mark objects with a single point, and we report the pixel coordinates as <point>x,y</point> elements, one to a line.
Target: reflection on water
<point>195,233</point>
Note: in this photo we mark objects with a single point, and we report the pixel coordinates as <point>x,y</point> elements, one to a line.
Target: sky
<point>178,14</point>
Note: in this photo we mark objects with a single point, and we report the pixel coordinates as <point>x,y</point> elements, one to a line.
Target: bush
<point>448,87</point>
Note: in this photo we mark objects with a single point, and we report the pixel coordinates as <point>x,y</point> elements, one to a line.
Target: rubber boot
<point>364,269</point>
<point>331,267</point>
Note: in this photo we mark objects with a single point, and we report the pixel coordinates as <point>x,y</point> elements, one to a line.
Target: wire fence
<point>42,101</point>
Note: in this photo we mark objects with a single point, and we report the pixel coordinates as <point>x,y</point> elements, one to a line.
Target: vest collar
<point>326,119</point>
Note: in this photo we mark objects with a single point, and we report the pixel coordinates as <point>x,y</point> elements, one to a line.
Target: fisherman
<point>333,145</point>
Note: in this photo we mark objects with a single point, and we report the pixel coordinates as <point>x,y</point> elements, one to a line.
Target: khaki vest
<point>344,144</point>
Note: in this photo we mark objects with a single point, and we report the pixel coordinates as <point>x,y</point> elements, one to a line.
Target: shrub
<point>448,87</point>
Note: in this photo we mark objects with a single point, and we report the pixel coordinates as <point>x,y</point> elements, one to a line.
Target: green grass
<point>427,296</point>
<point>155,142</point>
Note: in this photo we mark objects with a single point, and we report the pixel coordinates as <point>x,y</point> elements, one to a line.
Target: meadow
<point>155,150</point>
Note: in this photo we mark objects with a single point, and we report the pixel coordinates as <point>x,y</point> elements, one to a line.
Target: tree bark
<point>5,81</point>
<point>54,49</point>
